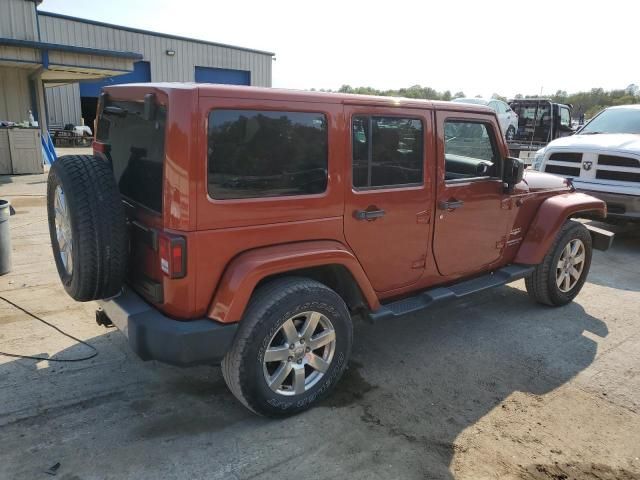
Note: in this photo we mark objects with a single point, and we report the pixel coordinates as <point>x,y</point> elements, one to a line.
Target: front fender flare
<point>246,270</point>
<point>552,214</point>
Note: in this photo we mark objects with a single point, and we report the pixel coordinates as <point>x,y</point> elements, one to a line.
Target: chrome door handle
<point>368,214</point>
<point>450,205</point>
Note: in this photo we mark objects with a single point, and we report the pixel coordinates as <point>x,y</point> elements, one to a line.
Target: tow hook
<point>103,319</point>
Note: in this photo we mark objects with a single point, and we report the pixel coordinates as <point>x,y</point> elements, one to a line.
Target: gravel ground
<point>491,387</point>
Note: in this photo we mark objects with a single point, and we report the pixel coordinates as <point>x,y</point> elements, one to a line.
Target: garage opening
<point>222,75</point>
<point>89,91</point>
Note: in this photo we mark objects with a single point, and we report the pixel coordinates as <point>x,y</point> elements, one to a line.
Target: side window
<point>565,117</point>
<point>266,154</point>
<point>387,151</point>
<point>470,150</point>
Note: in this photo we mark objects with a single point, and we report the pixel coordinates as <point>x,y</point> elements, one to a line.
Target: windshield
<point>534,120</point>
<point>614,120</point>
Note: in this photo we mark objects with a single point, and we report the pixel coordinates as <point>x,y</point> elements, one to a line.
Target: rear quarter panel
<point>226,228</point>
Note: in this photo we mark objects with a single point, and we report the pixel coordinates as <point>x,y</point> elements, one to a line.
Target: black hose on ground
<point>68,335</point>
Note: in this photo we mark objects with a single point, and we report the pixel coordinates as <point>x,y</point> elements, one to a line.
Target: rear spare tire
<point>87,227</point>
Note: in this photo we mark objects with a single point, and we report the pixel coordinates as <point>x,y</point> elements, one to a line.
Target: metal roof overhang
<point>65,63</point>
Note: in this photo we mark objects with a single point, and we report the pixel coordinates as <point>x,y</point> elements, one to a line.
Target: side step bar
<point>437,295</point>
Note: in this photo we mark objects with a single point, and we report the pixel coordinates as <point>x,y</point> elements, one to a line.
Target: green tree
<point>587,102</point>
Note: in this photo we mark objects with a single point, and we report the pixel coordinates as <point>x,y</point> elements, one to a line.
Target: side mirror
<point>512,173</point>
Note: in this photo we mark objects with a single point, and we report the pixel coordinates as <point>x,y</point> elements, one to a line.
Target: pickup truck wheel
<point>87,227</point>
<point>291,348</point>
<point>511,133</point>
<point>561,275</point>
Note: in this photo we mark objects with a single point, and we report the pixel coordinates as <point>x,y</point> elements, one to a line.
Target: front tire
<point>291,348</point>
<point>562,273</point>
<point>511,133</point>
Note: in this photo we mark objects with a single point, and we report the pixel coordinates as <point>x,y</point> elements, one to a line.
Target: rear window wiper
<point>113,110</point>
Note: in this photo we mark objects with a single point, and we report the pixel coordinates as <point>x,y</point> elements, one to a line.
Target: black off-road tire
<point>510,133</point>
<point>541,284</point>
<point>98,227</point>
<point>271,305</point>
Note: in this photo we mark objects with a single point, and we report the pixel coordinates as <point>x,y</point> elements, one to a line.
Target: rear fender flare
<point>552,214</point>
<point>246,270</point>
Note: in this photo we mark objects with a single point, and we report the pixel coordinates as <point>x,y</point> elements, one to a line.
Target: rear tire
<point>559,278</point>
<point>87,227</point>
<point>273,328</point>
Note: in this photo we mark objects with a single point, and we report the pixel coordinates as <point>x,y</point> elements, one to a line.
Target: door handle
<point>368,214</point>
<point>450,205</point>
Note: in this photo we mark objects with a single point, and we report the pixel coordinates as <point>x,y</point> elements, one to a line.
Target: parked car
<point>539,122</point>
<point>507,118</point>
<point>248,226</point>
<point>602,159</point>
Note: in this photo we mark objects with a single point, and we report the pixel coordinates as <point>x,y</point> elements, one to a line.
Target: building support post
<point>40,99</point>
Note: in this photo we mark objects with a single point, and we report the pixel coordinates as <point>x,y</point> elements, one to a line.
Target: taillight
<point>99,147</point>
<point>172,250</point>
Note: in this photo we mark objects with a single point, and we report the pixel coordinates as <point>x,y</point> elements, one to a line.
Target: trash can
<point>5,237</point>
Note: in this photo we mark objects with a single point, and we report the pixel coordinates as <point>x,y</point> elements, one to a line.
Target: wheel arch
<point>328,262</point>
<point>551,215</point>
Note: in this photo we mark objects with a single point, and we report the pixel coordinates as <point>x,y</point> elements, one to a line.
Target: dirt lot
<point>492,387</point>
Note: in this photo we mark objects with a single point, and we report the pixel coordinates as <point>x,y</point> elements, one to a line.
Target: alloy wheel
<point>570,265</point>
<point>63,229</point>
<point>299,353</point>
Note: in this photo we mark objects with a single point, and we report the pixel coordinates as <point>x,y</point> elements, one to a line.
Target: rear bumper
<point>618,205</point>
<point>154,336</point>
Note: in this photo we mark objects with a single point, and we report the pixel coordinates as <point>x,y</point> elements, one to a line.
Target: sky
<point>478,47</point>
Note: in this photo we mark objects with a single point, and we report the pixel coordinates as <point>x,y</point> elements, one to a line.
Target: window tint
<point>387,151</point>
<point>136,151</point>
<point>470,150</point>
<point>265,154</point>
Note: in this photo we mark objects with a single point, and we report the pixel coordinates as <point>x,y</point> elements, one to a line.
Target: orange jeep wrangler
<point>248,226</point>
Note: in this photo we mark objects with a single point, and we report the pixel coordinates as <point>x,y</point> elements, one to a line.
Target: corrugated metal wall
<point>15,98</point>
<point>164,68</point>
<point>63,104</point>
<point>18,20</point>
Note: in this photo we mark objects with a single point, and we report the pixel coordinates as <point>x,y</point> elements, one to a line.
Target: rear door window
<point>254,154</point>
<point>136,150</point>
<point>387,151</point>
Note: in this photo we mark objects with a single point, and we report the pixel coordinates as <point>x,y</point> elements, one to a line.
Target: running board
<point>437,295</point>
